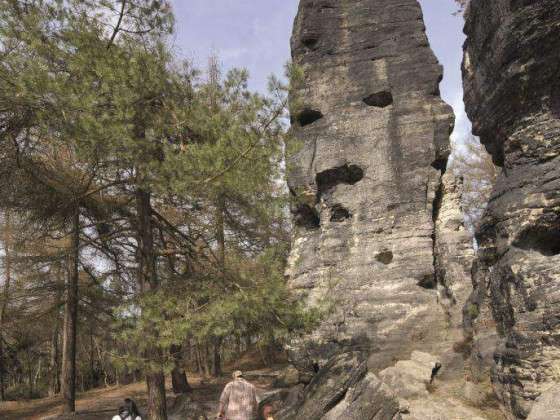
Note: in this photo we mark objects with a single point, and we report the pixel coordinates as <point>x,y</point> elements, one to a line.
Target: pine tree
<point>169,182</point>
<point>7,272</point>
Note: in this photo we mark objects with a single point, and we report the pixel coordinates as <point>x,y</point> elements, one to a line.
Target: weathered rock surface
<point>420,396</point>
<point>453,253</point>
<point>367,184</point>
<point>408,378</point>
<point>512,94</point>
<point>380,241</point>
<point>344,389</point>
<point>288,377</point>
<point>547,406</point>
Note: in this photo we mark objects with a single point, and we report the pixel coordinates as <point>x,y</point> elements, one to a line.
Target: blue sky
<point>255,34</point>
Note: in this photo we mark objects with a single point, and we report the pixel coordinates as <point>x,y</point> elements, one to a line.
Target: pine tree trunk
<point>217,362</point>
<point>198,357</point>
<point>238,345</point>
<point>206,360</point>
<point>248,342</point>
<point>54,363</point>
<point>54,378</point>
<point>220,233</point>
<point>5,297</point>
<point>221,255</point>
<point>157,407</point>
<point>92,380</point>
<point>2,384</point>
<point>37,373</point>
<point>68,385</point>
<point>29,377</point>
<point>178,375</point>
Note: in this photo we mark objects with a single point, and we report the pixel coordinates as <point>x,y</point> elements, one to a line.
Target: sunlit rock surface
<point>512,93</point>
<point>365,184</point>
<point>379,240</point>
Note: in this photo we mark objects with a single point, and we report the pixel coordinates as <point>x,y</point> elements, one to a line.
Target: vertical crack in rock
<point>453,252</point>
<point>511,86</point>
<point>371,174</point>
<point>431,281</point>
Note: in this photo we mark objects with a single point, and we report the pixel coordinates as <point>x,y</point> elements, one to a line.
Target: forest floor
<point>103,403</point>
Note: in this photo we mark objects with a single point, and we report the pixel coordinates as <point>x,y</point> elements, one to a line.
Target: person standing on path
<point>129,411</point>
<point>238,400</point>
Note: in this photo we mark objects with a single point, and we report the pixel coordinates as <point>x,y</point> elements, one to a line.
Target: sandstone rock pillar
<point>367,182</point>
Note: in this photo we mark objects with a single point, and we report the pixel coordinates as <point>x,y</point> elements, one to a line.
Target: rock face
<point>367,185</point>
<point>547,406</point>
<point>512,93</point>
<point>412,383</point>
<point>344,389</point>
<point>379,242</point>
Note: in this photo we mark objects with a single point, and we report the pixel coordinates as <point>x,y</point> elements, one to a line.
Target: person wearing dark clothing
<point>435,371</point>
<point>129,411</point>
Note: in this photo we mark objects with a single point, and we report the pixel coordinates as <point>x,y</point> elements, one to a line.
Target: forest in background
<point>145,222</point>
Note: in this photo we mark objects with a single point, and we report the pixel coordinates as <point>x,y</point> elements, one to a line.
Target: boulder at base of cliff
<point>343,389</point>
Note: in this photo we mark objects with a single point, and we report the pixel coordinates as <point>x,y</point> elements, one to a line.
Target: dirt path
<point>103,403</point>
<point>95,404</point>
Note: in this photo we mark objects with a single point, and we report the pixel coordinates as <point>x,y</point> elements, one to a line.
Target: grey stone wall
<point>512,93</point>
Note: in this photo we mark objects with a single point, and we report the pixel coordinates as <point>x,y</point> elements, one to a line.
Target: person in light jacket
<point>238,400</point>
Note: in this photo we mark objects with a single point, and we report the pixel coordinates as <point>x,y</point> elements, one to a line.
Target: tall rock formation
<point>379,241</point>
<point>367,184</point>
<point>512,93</point>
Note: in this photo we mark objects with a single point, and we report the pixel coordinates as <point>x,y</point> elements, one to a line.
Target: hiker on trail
<point>129,411</point>
<point>239,400</point>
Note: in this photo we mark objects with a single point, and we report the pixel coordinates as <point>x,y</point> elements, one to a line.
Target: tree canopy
<point>144,214</point>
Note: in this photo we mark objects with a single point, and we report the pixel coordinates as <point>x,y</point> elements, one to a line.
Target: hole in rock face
<point>385,257</point>
<point>379,99</point>
<point>308,116</point>
<point>309,42</point>
<point>428,282</point>
<point>347,174</point>
<point>339,213</point>
<point>307,217</point>
<point>543,239</point>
